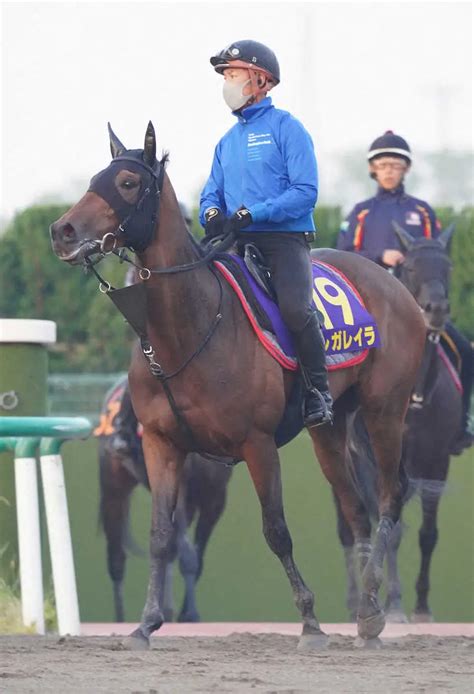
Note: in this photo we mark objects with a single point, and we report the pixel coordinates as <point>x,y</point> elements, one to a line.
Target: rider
<point>263,186</point>
<point>368,230</point>
<point>125,422</point>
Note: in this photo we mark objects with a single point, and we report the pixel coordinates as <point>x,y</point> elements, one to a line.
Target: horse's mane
<point>165,157</point>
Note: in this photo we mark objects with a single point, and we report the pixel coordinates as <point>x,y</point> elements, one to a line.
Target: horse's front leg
<point>264,466</point>
<point>428,537</point>
<point>164,463</point>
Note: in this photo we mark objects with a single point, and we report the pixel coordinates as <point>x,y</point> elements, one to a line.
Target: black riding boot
<point>310,347</point>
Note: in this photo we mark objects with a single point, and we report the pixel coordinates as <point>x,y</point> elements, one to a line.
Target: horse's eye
<point>129,184</point>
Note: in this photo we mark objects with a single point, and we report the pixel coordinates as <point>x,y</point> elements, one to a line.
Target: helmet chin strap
<point>258,87</point>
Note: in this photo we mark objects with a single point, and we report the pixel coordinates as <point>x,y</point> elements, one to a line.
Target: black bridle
<point>131,301</point>
<point>406,271</point>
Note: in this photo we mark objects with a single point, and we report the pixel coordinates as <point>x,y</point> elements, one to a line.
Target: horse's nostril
<point>428,308</point>
<point>68,232</point>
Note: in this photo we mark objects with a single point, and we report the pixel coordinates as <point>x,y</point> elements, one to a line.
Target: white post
<point>29,543</point>
<point>60,544</point>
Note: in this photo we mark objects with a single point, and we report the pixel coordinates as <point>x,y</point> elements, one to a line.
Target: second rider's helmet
<point>248,54</point>
<point>389,145</point>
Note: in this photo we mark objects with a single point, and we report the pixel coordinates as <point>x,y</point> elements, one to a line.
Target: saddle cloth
<point>349,331</point>
<point>110,409</point>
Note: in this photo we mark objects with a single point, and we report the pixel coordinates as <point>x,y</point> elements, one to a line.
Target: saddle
<point>255,263</point>
<point>349,331</point>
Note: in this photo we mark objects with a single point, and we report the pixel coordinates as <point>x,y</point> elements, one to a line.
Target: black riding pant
<point>287,255</point>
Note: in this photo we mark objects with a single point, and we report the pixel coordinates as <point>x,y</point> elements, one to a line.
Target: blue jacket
<point>266,163</point>
<point>368,229</point>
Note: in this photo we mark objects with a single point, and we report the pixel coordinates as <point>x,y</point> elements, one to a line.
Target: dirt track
<point>237,663</point>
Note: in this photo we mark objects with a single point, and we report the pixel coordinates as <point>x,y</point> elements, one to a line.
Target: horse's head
<point>425,272</point>
<point>120,207</point>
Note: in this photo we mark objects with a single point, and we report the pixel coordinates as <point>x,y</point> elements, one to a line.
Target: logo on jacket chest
<point>256,144</point>
<point>413,218</point>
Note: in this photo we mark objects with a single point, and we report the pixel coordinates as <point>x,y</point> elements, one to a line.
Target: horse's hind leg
<point>207,493</point>
<point>168,593</point>
<point>116,485</point>
<point>346,538</point>
<point>393,606</point>
<point>428,537</point>
<point>211,502</point>
<point>264,467</point>
<point>385,432</point>
<point>188,562</point>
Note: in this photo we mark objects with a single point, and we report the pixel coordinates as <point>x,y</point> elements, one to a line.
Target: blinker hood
<point>137,221</point>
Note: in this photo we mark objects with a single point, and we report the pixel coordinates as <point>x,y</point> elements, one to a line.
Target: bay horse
<point>202,497</point>
<point>220,391</point>
<point>432,423</point>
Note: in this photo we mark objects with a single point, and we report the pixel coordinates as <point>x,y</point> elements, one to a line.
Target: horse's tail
<point>362,466</point>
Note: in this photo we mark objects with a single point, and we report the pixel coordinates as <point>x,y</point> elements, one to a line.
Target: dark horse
<point>221,392</point>
<point>202,495</point>
<point>432,423</point>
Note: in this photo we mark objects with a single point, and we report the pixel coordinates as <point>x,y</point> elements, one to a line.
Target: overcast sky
<point>350,70</point>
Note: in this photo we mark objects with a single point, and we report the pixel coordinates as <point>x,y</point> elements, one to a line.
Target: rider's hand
<point>239,220</point>
<point>392,257</point>
<point>215,220</point>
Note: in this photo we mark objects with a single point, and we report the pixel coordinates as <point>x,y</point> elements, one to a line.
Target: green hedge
<point>92,335</point>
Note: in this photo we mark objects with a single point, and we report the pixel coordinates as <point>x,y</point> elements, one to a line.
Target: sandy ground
<point>236,663</point>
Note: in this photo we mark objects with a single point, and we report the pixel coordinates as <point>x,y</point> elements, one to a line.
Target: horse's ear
<point>116,147</point>
<point>446,237</point>
<point>149,152</point>
<point>404,237</point>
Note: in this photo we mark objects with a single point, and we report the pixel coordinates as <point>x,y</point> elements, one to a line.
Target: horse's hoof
<point>369,644</point>
<point>396,617</point>
<point>372,626</point>
<point>421,618</point>
<point>137,641</point>
<point>370,617</point>
<point>312,642</point>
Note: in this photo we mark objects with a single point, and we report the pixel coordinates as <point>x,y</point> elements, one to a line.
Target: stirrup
<point>325,416</point>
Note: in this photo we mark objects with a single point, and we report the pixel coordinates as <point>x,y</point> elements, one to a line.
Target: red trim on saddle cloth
<point>452,371</point>
<point>426,222</point>
<point>283,360</point>
<point>359,230</point>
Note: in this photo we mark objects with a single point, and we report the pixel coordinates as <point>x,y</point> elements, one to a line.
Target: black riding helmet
<point>389,145</point>
<point>250,54</point>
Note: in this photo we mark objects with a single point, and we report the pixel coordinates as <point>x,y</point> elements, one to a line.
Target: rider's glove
<point>215,220</point>
<point>239,220</point>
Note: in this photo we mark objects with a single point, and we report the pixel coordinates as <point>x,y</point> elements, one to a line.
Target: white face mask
<point>233,94</point>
